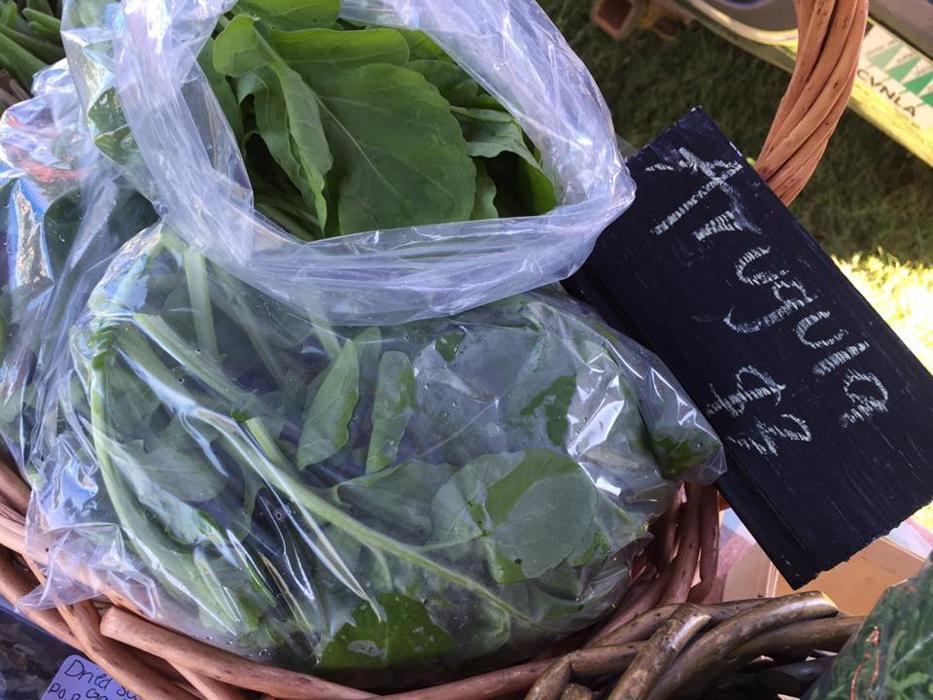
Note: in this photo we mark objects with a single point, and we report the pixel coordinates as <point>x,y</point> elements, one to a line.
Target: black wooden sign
<point>826,416</point>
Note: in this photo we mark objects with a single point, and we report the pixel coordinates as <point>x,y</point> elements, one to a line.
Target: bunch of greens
<point>891,656</point>
<point>443,492</point>
<point>343,128</point>
<point>346,128</point>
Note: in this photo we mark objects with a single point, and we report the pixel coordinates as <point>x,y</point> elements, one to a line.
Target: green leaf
<point>448,345</point>
<point>489,133</point>
<point>293,14</point>
<point>530,509</point>
<point>556,403</point>
<point>146,473</point>
<point>222,89</point>
<point>535,189</point>
<point>328,415</point>
<point>239,49</point>
<point>399,153</point>
<point>393,407</point>
<point>401,632</point>
<point>455,84</point>
<point>485,206</point>
<point>318,54</point>
<point>422,46</point>
<point>289,122</point>
<point>399,496</point>
<point>680,449</point>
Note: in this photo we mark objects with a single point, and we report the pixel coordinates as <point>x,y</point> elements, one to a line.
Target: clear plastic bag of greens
<point>391,138</point>
<point>434,496</point>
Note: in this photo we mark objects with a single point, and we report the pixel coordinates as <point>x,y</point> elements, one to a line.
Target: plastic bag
<point>64,211</point>
<point>891,656</point>
<point>444,492</point>
<point>273,446</point>
<point>136,63</point>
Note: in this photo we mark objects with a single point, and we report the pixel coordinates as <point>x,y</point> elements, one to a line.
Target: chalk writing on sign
<point>787,302</point>
<point>80,679</point>
<point>823,411</point>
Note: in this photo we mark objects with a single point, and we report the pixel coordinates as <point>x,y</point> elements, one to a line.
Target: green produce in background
<point>891,656</point>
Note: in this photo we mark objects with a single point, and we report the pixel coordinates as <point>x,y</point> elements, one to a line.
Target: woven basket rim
<point>157,663</point>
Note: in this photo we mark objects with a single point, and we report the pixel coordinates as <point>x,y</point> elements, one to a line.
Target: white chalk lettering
<point>764,439</point>
<point>734,404</point>
<point>756,279</point>
<point>788,307</point>
<point>839,358</point>
<point>805,324</point>
<point>865,405</point>
<point>718,171</point>
<point>720,224</point>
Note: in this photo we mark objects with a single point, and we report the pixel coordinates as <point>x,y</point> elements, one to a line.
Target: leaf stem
<point>200,296</point>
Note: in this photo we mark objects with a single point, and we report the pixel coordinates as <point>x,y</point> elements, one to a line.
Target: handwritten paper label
<point>824,413</point>
<point>80,679</point>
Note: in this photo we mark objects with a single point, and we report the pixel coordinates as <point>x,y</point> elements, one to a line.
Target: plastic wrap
<point>64,210</point>
<point>891,656</point>
<point>435,493</point>
<point>336,456</point>
<point>136,64</point>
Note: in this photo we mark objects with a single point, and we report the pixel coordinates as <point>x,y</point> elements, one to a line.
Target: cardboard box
<point>855,586</point>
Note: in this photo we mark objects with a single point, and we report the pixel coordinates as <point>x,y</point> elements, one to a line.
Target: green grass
<point>870,203</point>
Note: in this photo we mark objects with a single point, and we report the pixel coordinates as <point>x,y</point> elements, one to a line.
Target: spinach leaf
<point>399,153</point>
<point>485,205</point>
<point>329,410</point>
<point>399,496</point>
<point>489,133</point>
<point>392,409</point>
<point>317,54</point>
<point>402,631</point>
<point>222,89</point>
<point>293,14</point>
<point>535,188</point>
<point>555,401</point>
<point>530,509</point>
<point>422,46</point>
<point>399,156</point>
<point>289,123</point>
<point>455,84</point>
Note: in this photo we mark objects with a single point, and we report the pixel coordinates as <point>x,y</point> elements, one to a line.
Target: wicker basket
<point>666,638</point>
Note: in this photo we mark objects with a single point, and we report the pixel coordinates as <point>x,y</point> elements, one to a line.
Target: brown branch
<point>220,665</point>
<point>709,545</point>
<point>659,652</point>
<point>700,663</point>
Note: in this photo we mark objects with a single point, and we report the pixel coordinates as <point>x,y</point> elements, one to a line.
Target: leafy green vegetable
<point>392,409</point>
<point>400,631</point>
<point>340,499</point>
<point>330,409</point>
<point>359,499</point>
<point>890,657</point>
<point>289,14</point>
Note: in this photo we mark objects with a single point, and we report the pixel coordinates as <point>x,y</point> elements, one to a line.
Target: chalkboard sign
<point>826,416</point>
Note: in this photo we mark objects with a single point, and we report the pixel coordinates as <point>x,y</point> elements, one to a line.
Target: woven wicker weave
<point>666,638</point>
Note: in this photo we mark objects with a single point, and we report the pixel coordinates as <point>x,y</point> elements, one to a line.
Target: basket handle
<point>830,36</point>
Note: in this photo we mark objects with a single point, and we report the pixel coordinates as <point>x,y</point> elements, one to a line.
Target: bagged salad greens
<point>339,451</point>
